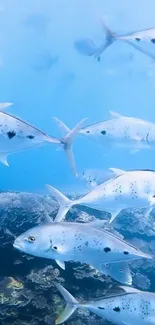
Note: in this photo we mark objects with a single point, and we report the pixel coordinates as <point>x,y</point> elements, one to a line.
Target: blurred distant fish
<point>129,189</point>
<point>119,132</point>
<point>45,61</point>
<point>94,177</point>
<point>87,47</point>
<point>37,21</point>
<point>128,307</point>
<point>17,135</point>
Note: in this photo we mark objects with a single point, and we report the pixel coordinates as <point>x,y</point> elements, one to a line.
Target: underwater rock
<point>27,292</point>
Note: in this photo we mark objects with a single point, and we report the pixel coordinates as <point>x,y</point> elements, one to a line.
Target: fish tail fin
<point>72,304</point>
<point>108,32</point>
<point>63,127</point>
<point>110,37</point>
<point>64,203</point>
<point>68,139</point>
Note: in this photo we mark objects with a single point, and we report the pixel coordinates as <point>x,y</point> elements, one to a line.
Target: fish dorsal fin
<point>129,289</point>
<point>117,171</point>
<point>61,264</point>
<point>3,159</point>
<point>3,106</point>
<point>115,114</point>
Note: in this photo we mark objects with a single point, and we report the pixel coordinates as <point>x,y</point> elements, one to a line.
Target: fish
<point>133,134</point>
<point>17,135</point>
<point>87,47</point>
<point>45,61</point>
<point>127,307</point>
<point>81,242</point>
<point>129,189</point>
<point>94,177</point>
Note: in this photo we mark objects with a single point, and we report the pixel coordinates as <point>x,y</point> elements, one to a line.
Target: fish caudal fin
<point>68,139</point>
<point>72,304</point>
<point>64,202</point>
<point>110,37</point>
<point>63,127</point>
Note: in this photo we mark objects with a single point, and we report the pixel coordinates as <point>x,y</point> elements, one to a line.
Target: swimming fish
<point>128,307</point>
<point>87,47</point>
<point>17,135</point>
<point>120,132</point>
<point>81,242</point>
<point>129,189</point>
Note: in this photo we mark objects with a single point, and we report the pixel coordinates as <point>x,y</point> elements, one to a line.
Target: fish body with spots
<point>133,189</point>
<point>17,135</point>
<point>84,243</point>
<point>129,189</point>
<point>122,132</point>
<point>129,307</point>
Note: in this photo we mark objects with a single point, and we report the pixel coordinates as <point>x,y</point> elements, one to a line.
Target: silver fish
<point>129,307</point>
<point>17,135</point>
<point>119,132</point>
<point>129,189</point>
<point>84,243</point>
<point>87,47</point>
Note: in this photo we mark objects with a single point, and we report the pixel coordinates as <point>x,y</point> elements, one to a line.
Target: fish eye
<point>31,239</point>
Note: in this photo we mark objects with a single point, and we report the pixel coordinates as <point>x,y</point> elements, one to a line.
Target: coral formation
<point>27,292</point>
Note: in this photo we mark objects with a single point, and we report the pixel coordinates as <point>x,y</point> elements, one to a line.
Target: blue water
<point>44,76</point>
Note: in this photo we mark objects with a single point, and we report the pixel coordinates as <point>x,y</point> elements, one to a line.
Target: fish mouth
<point>17,246</point>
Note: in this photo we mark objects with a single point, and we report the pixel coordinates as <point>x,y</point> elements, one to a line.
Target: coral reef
<point>27,292</point>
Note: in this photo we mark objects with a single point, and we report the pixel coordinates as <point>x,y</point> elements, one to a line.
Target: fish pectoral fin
<point>148,211</point>
<point>61,264</point>
<point>117,171</point>
<point>3,159</point>
<point>114,215</point>
<point>119,271</point>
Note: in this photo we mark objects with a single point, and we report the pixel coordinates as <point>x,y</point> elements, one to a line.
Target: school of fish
<point>110,191</point>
